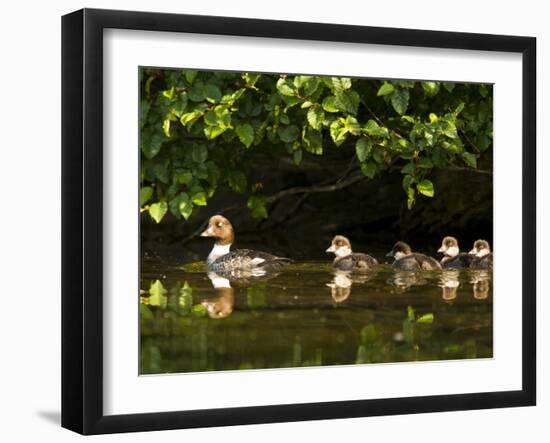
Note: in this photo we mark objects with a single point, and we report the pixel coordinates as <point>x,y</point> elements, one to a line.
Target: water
<point>309,315</point>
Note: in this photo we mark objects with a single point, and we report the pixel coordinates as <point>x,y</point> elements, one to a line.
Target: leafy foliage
<point>200,131</point>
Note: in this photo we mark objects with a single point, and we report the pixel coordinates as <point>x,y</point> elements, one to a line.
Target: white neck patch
<point>452,251</point>
<point>217,252</point>
<point>399,255</point>
<point>482,252</point>
<point>342,251</point>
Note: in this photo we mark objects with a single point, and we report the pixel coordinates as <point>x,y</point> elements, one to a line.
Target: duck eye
<point>220,224</point>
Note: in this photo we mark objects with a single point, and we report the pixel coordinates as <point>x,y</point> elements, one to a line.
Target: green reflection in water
<point>309,315</point>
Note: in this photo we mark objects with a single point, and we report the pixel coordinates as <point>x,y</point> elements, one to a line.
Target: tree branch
<point>315,189</point>
<point>462,168</point>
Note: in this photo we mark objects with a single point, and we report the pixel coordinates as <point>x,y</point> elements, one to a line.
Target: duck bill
<point>207,232</point>
<point>473,252</point>
<point>331,249</point>
<point>443,249</point>
<point>389,254</point>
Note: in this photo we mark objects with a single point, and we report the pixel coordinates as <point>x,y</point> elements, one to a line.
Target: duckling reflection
<point>220,306</point>
<point>449,283</point>
<point>340,286</point>
<point>404,280</point>
<point>481,283</point>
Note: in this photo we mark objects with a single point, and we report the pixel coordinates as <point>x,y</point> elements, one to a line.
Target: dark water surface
<point>309,315</point>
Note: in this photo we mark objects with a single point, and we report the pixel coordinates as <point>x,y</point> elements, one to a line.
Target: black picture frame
<point>82,218</point>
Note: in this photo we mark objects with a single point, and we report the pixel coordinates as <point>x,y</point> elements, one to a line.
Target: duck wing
<point>355,262</point>
<point>250,259</point>
<point>426,263</point>
<point>485,262</point>
<point>462,260</point>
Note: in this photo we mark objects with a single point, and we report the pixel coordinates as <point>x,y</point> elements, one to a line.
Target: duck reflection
<point>340,286</point>
<point>220,306</point>
<point>449,283</point>
<point>342,281</point>
<point>481,283</point>
<point>404,280</point>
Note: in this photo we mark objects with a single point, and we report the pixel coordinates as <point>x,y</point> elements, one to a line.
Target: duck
<point>452,257</point>
<point>406,260</point>
<point>482,255</point>
<point>222,260</point>
<point>346,259</point>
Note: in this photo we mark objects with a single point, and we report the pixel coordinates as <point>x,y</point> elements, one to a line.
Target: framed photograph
<point>269,221</point>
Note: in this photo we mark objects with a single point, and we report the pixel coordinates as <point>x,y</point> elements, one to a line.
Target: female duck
<point>406,260</point>
<point>452,257</point>
<point>346,260</point>
<point>222,260</point>
<point>483,257</point>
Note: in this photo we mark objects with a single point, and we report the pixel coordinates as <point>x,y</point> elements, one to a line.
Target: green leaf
<point>408,181</point>
<point>169,94</point>
<point>257,207</point>
<point>212,132</point>
<point>400,100</point>
<point>385,89</point>
<point>145,194</point>
<point>151,146</point>
<point>237,181</point>
<point>288,133</point>
<point>199,153</point>
<point>190,75</point>
<point>144,108</point>
<point>352,126</point>
<point>197,92</point>
<point>363,148</point>
<point>184,178</point>
<point>338,132</point>
<point>374,129</point>
<point>297,157</point>
<point>470,159</point>
<point>166,127</point>
<point>329,104</point>
<point>199,199</point>
<point>426,187</point>
<point>425,163</point>
<point>251,79</point>
<point>426,318</point>
<point>157,295</point>
<point>199,310</point>
<point>430,88</point>
<point>285,87</point>
<point>186,208</point>
<point>348,101</point>
<point>449,86</point>
<point>284,119</point>
<point>189,118</point>
<point>409,168</point>
<point>410,313</point>
<point>313,141</point>
<point>315,117</point>
<point>340,84</point>
<point>245,133</point>
<point>411,192</point>
<point>369,169</point>
<point>212,93</point>
<point>158,210</point>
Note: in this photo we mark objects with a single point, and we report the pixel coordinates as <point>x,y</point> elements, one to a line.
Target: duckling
<point>406,260</point>
<point>222,260</point>
<point>483,257</point>
<point>453,258</point>
<point>346,260</point>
